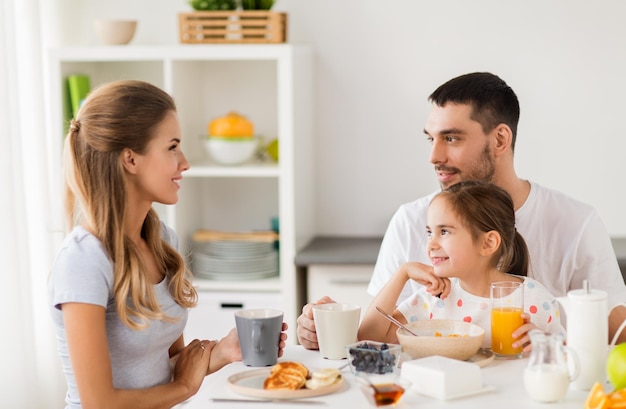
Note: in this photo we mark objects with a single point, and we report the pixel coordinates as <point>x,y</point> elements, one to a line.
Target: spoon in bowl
<point>395,321</point>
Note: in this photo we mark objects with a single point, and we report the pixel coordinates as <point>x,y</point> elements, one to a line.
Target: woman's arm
<point>224,351</point>
<point>228,350</point>
<point>89,354</point>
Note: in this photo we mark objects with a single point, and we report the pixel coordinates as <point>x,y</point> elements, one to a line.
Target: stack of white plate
<point>235,260</point>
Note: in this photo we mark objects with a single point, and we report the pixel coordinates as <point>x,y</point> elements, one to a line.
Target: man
<point>472,127</point>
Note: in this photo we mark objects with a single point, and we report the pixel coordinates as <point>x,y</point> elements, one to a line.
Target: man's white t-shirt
<point>566,239</point>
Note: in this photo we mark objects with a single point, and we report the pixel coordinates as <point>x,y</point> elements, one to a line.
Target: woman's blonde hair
<point>117,116</point>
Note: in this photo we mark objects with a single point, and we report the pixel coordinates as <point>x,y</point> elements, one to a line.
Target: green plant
<point>211,5</point>
<point>257,4</point>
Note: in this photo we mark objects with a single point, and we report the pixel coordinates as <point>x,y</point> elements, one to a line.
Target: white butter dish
<point>444,378</point>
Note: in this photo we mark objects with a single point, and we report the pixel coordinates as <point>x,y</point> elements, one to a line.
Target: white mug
<point>337,325</point>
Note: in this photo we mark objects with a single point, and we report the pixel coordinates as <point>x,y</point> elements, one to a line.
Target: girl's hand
<point>521,334</point>
<point>424,274</point>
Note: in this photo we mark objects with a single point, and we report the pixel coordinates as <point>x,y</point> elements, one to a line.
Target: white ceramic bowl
<point>231,151</point>
<point>115,32</point>
<point>449,338</point>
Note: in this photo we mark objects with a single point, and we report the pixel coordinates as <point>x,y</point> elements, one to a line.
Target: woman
<point>119,290</point>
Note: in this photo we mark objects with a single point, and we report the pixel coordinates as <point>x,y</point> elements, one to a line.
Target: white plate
<point>482,358</point>
<point>250,383</point>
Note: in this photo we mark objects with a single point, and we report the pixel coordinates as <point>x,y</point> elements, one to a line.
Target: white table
<point>505,376</point>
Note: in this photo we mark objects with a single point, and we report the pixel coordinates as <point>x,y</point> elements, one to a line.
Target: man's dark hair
<point>493,101</point>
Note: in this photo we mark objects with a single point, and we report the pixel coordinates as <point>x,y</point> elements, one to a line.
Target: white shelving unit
<point>272,86</point>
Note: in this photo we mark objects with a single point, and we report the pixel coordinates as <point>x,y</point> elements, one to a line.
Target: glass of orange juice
<point>507,306</point>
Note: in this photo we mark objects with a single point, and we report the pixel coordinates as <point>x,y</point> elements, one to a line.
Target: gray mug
<point>259,334</point>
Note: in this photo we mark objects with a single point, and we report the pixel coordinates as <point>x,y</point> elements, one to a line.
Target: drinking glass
<point>507,306</point>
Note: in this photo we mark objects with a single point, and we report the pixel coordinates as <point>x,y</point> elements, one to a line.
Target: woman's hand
<point>191,364</point>
<point>226,350</point>
<point>282,339</point>
<point>424,275</point>
<point>521,334</point>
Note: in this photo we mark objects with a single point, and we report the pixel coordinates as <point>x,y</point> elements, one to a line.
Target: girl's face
<point>159,170</point>
<point>450,247</point>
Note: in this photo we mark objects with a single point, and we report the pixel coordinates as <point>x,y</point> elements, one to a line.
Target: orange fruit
<point>597,399</point>
<point>617,399</point>
<point>231,125</point>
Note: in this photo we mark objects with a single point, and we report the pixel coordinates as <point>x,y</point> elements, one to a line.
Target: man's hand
<point>307,335</point>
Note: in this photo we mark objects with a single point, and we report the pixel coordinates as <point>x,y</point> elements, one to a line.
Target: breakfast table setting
<point>436,363</point>
<point>502,379</point>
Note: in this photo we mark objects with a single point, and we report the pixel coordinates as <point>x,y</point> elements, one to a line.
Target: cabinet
<point>342,283</point>
<point>272,86</point>
<point>212,318</point>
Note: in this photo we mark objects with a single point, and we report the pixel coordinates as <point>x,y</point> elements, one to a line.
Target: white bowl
<point>231,151</point>
<point>449,338</point>
<point>115,32</point>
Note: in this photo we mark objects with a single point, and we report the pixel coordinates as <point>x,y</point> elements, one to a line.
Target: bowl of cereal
<point>450,338</point>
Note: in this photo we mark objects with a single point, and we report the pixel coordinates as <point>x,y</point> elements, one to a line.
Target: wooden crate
<point>258,26</point>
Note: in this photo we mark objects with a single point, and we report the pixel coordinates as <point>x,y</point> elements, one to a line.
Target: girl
<point>119,290</point>
<point>472,242</point>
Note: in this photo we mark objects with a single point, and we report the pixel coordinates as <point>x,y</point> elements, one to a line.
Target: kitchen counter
<point>340,250</point>
<point>619,245</point>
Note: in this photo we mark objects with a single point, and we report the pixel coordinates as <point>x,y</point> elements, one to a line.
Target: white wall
<point>377,61</point>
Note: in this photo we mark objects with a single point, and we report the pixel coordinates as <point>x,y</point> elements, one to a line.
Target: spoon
<point>395,321</point>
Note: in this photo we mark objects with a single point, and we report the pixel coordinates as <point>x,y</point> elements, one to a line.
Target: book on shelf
<point>78,87</point>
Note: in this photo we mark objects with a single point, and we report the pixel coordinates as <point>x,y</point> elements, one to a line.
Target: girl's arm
<point>542,312</point>
<point>89,354</point>
<point>374,326</point>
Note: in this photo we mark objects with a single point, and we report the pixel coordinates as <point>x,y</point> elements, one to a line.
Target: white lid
<point>587,296</point>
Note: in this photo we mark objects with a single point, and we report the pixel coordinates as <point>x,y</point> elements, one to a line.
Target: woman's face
<point>450,246</point>
<point>159,170</point>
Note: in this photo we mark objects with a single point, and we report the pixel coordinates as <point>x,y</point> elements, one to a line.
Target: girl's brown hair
<point>485,207</point>
<point>114,117</point>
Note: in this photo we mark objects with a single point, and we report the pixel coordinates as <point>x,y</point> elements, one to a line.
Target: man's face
<point>460,149</point>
